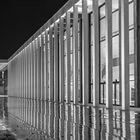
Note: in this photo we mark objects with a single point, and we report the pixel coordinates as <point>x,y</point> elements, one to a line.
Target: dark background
<point>20,19</point>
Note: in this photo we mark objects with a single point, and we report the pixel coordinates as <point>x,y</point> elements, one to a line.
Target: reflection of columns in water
<point>66,123</point>
<point>61,122</point>
<point>56,121</point>
<point>75,122</point>
<point>95,117</point>
<point>85,123</point>
<point>109,124</point>
<point>137,127</point>
<point>46,116</point>
<point>32,111</point>
<point>126,124</point>
<point>42,114</point>
<point>35,113</point>
<point>51,120</point>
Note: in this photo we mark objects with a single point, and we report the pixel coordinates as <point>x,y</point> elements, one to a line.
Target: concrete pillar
<point>51,79</point>
<point>75,53</point>
<point>35,74</point>
<point>68,90</point>
<point>31,71</point>
<point>24,88</point>
<point>120,81</point>
<point>38,49</point>
<point>61,61</point>
<point>39,67</point>
<point>56,61</point>
<point>85,53</point>
<point>34,70</point>
<point>138,53</point>
<point>109,91</point>
<point>96,66</point>
<point>46,65</point>
<point>125,54</point>
<point>42,66</point>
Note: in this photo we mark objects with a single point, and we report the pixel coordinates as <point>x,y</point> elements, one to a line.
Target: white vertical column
<point>24,73</point>
<point>68,56</point>
<point>125,54</point>
<point>85,53</point>
<point>56,61</point>
<point>61,62</point>
<point>109,125</point>
<point>26,63</point>
<point>120,84</point>
<point>32,70</point>
<point>28,71</point>
<point>75,53</point>
<point>46,65</point>
<point>22,77</point>
<point>96,66</point>
<point>109,92</point>
<point>38,69</point>
<point>126,131</point>
<point>51,79</point>
<point>35,74</point>
<point>42,66</point>
<point>30,65</point>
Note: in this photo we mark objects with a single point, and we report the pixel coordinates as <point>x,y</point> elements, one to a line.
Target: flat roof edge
<point>56,16</point>
<point>3,60</point>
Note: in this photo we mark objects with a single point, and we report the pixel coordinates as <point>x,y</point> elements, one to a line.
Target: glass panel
<point>131,14</point>
<point>115,5</point>
<point>101,2</point>
<point>102,29</point>
<point>102,11</point>
<point>103,61</point>
<point>115,42</point>
<point>131,42</point>
<point>132,86</point>
<point>102,71</point>
<point>131,67</point>
<point>115,22</point>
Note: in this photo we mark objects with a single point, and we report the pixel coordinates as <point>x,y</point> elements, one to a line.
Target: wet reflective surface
<point>39,120</point>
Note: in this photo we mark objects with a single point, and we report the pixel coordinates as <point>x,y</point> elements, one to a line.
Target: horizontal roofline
<point>3,60</point>
<point>54,18</point>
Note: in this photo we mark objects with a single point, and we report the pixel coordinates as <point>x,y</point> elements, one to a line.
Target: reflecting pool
<point>26,119</point>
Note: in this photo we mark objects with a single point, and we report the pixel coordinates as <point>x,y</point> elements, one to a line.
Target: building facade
<point>86,54</point>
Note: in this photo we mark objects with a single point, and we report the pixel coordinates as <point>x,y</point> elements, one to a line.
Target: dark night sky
<point>20,19</point>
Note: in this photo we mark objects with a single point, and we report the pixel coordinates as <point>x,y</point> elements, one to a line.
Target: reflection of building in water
<point>72,122</point>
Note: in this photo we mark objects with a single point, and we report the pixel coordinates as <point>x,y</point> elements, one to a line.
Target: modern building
<point>3,77</point>
<point>87,53</point>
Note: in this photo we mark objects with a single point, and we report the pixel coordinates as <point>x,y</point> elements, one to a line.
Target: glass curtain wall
<point>116,52</point>
<point>75,46</point>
